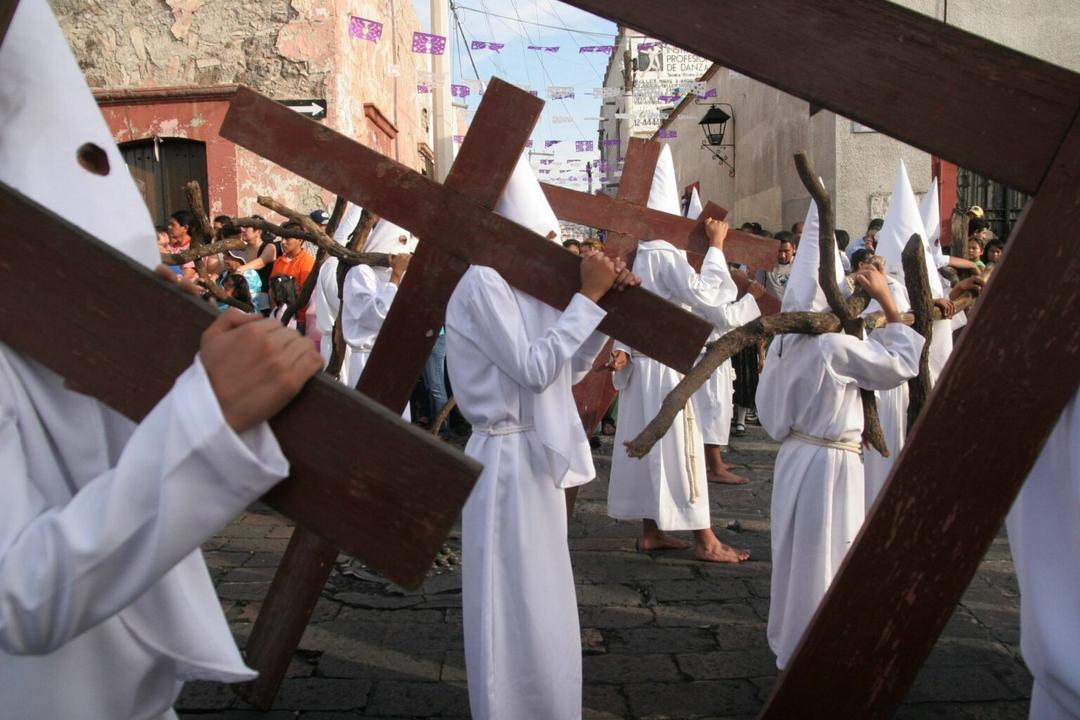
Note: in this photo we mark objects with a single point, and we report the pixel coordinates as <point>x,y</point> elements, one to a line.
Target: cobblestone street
<point>664,636</point>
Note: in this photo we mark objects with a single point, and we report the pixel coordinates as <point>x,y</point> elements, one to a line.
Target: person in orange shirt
<point>297,264</point>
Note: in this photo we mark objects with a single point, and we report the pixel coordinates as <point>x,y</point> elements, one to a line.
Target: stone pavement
<point>664,636</point>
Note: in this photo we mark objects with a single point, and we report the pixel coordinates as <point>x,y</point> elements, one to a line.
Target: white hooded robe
<point>513,361</point>
<point>106,605</point>
<point>811,385</point>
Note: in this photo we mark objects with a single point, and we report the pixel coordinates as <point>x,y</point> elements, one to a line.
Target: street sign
<point>312,108</point>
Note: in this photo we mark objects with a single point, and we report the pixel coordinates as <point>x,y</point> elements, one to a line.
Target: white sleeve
<point>365,306</point>
<point>326,296</point>
<point>181,477</point>
<point>499,331</point>
<point>704,290</point>
<point>586,355</point>
<point>887,358</point>
<point>730,315</point>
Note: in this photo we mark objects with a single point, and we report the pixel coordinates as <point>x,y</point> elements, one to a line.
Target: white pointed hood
<point>524,202</point>
<point>930,212</point>
<point>803,291</point>
<point>664,193</point>
<point>561,445</point>
<point>386,237</point>
<point>46,114</point>
<point>901,222</point>
<point>694,208</point>
<point>348,223</point>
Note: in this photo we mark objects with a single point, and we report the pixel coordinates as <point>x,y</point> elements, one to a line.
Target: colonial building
<point>750,171</point>
<point>164,73</point>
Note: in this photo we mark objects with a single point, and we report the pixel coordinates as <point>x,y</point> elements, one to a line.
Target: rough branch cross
<point>942,505</point>
<point>457,227</point>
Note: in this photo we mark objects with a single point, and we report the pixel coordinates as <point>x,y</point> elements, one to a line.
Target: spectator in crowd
<point>236,287</point>
<point>992,252</point>
<point>259,255</point>
<point>233,262</point>
<point>843,239</point>
<point>775,280</point>
<point>869,240</point>
<point>297,264</point>
<point>796,232</point>
<point>975,251</point>
<point>283,292</point>
<point>320,217</point>
<point>572,245</point>
<point>178,228</point>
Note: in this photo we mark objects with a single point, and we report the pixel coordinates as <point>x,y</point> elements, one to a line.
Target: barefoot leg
<point>709,548</point>
<point>653,538</point>
<point>571,500</point>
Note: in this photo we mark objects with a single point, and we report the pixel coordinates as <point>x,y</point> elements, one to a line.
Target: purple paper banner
<point>667,134</point>
<point>364,29</point>
<point>458,139</point>
<point>485,45</point>
<point>545,48</point>
<point>650,45</point>
<point>710,93</point>
<point>528,143</point>
<point>549,143</point>
<point>583,146</point>
<point>605,49</point>
<point>558,92</point>
<point>609,143</point>
<point>667,98</point>
<point>547,162</point>
<point>428,44</point>
<point>423,89</point>
<point>544,172</point>
<point>459,91</point>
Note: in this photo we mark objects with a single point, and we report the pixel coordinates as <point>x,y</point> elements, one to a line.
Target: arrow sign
<point>312,108</point>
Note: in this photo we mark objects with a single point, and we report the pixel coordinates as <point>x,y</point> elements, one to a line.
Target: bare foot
<point>659,540</point>
<point>726,477</point>
<point>720,553</point>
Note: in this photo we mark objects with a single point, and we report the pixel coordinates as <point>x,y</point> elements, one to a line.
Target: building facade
<point>767,127</point>
<point>164,73</point>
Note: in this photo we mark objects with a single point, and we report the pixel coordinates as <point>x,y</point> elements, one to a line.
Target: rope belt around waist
<point>851,447</point>
<point>494,430</point>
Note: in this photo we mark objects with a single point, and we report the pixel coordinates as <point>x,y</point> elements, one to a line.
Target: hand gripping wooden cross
<point>629,221</point>
<point>943,504</point>
<point>457,228</point>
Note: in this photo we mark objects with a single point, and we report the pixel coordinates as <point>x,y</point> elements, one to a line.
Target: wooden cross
<point>457,228</point>
<point>943,504</point>
<point>629,221</point>
<point>350,499</point>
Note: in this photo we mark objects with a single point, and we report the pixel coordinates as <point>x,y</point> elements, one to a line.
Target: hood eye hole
<point>93,158</point>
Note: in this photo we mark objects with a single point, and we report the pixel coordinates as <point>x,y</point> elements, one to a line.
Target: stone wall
<point>295,49</point>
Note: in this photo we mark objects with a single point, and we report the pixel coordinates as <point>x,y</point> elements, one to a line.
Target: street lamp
<point>714,126</point>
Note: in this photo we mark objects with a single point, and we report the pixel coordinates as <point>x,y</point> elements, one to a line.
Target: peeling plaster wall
<point>285,49</point>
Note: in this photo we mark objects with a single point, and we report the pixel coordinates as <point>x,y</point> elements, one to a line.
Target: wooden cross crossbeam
<point>943,504</point>
<point>456,226</point>
<point>454,222</point>
<point>351,499</point>
<point>633,220</point>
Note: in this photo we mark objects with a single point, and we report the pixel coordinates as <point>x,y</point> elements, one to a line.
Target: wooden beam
<point>104,316</point>
<point>914,79</point>
<point>455,223</point>
<point>481,172</point>
<point>634,220</point>
<point>943,504</point>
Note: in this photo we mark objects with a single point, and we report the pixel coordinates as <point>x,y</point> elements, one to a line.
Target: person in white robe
<point>808,398</point>
<point>714,404</point>
<point>370,291</point>
<point>667,490</point>
<point>513,361</point>
<point>903,220</point>
<point>327,299</point>
<point>1044,536</point>
<point>106,604</point>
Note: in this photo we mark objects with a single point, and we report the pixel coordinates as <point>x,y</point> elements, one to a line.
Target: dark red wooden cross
<point>457,228</point>
<point>943,504</point>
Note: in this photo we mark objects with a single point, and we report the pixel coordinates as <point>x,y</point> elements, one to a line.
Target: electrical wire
<point>552,27</point>
<point>461,29</point>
